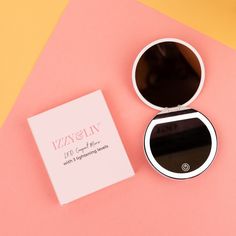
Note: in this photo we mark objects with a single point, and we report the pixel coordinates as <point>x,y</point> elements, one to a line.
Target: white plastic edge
<point>161,41</point>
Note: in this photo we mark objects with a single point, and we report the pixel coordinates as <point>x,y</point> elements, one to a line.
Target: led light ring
<point>166,172</point>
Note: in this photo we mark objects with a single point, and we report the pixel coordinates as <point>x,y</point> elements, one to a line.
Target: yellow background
<point>25,27</point>
<point>215,18</point>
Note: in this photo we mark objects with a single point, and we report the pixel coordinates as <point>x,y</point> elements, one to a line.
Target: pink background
<point>94,47</point>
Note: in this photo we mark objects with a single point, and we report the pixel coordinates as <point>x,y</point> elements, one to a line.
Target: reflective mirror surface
<point>181,146</point>
<point>168,74</point>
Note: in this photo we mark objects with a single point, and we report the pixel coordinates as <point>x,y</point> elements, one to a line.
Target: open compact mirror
<point>179,142</point>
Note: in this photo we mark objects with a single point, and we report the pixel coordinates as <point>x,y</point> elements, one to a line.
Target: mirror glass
<point>168,74</point>
<point>181,146</point>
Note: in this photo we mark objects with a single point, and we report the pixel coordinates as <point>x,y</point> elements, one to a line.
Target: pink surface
<point>94,47</point>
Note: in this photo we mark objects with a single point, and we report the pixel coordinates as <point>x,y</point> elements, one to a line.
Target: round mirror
<point>168,73</point>
<point>181,144</point>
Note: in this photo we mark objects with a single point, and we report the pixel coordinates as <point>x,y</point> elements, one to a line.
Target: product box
<point>80,147</point>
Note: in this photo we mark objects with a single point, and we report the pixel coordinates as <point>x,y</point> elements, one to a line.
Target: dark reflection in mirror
<point>168,74</point>
<point>185,141</point>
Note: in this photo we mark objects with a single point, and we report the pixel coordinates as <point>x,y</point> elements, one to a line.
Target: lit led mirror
<point>181,144</point>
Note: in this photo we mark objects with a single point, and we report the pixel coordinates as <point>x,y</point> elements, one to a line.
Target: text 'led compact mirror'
<point>180,142</point>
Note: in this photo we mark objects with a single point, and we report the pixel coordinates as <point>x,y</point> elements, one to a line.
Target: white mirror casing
<point>179,142</point>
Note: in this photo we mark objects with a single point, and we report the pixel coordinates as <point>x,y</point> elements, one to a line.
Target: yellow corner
<point>25,27</point>
<point>214,18</point>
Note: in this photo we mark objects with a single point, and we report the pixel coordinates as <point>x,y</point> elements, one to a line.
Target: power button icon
<point>185,167</point>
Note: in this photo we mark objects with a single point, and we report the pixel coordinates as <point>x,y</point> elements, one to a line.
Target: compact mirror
<point>180,144</point>
<point>167,75</point>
